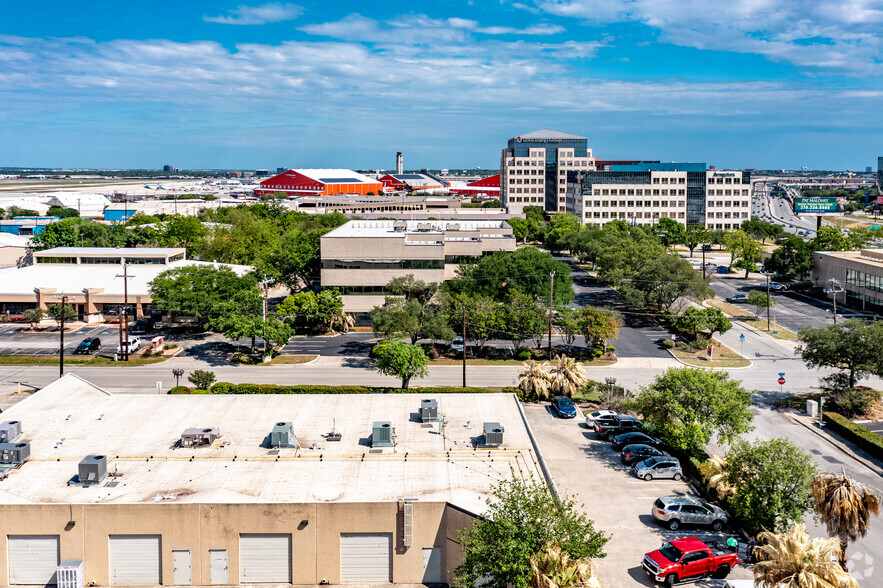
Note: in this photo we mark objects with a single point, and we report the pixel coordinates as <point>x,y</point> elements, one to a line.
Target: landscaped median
<point>722,357</point>
<point>864,438</point>
<point>228,388</point>
<point>89,360</point>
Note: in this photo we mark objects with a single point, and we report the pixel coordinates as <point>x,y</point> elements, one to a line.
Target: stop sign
<point>781,381</point>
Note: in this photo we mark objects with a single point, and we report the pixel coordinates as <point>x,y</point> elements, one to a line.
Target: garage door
<point>366,557</point>
<point>135,559</point>
<point>265,559</point>
<point>33,559</point>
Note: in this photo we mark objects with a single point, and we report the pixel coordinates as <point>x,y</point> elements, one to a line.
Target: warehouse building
<point>91,278</point>
<point>360,257</point>
<point>319,182</point>
<point>410,183</point>
<point>143,489</point>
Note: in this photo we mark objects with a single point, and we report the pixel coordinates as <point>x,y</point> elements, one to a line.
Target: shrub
<point>171,346</point>
<point>523,354</point>
<point>228,388</point>
<point>864,438</point>
<point>202,379</point>
<point>668,344</point>
<point>611,348</point>
<point>179,390</point>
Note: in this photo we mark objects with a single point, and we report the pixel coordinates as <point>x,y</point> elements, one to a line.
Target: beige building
<point>858,273</point>
<point>91,278</point>
<point>360,257</point>
<point>271,499</point>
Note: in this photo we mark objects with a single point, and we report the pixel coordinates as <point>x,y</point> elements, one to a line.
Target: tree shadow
<point>365,363</point>
<point>214,353</point>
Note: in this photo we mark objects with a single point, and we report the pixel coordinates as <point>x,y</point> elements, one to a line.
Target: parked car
<point>90,345</point>
<point>738,298</point>
<point>688,559</point>
<point>659,467</point>
<point>722,269</point>
<point>563,407</point>
<point>592,417</point>
<point>457,344</point>
<point>134,345</point>
<point>639,452</point>
<point>141,326</point>
<point>616,424</point>
<point>778,286</point>
<point>676,510</point>
<point>632,437</point>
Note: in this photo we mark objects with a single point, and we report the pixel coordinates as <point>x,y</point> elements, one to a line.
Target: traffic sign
<point>742,336</point>
<point>781,374</point>
<point>781,381</point>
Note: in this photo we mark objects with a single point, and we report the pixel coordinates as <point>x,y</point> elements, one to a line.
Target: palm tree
<point>794,559</point>
<point>715,473</point>
<point>534,379</point>
<point>845,506</point>
<point>554,568</point>
<point>567,376</point>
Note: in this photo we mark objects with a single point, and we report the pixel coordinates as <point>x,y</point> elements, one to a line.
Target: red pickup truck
<point>688,559</point>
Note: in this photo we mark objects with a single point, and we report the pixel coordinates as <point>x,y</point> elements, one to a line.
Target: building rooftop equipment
<point>493,435</point>
<point>423,465</point>
<point>428,410</point>
<point>10,431</point>
<point>283,435</point>
<point>15,453</point>
<point>382,434</point>
<point>199,437</point>
<point>92,470</point>
<point>548,134</point>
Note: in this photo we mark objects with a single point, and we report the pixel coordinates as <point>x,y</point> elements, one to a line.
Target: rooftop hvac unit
<point>10,431</point>
<point>69,574</point>
<point>92,469</point>
<point>453,226</point>
<point>399,226</point>
<point>283,435</point>
<point>493,434</point>
<point>424,227</point>
<point>196,437</point>
<point>15,453</point>
<point>428,410</point>
<point>382,434</point>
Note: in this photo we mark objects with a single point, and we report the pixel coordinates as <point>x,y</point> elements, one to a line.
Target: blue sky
<point>743,83</point>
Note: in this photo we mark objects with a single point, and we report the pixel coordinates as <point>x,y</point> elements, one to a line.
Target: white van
<point>134,345</point>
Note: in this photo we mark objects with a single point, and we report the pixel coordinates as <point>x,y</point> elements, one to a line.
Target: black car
<point>563,407</point>
<point>639,452</point>
<point>90,345</point>
<point>623,439</point>
<point>616,424</point>
<point>141,327</point>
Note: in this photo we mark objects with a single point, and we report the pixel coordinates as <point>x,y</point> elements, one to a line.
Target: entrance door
<point>217,566</point>
<point>432,569</point>
<point>181,567</point>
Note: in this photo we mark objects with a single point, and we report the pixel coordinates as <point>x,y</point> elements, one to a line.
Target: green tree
<point>830,238</point>
<point>34,316</point>
<point>183,231</point>
<point>202,379</point>
<point>520,520</point>
<point>404,361</point>
<point>771,479</point>
<point>56,311</point>
<point>760,301</point>
<point>526,318</point>
<point>850,346</point>
<point>762,230</point>
<point>688,406</point>
<point>694,321</point>
<point>694,236</point>
<point>562,226</point>
<point>659,283</point>
<point>745,252</point>
<point>859,237</point>
<point>61,211</point>
<point>310,311</point>
<point>670,232</point>
<point>400,316</point>
<point>294,261</point>
<point>527,270</point>
<point>792,259</point>
<point>204,292</point>
<point>484,317</point>
<point>520,228</point>
<point>598,326</point>
<point>568,324</point>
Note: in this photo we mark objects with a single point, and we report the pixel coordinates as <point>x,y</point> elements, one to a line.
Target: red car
<point>688,559</point>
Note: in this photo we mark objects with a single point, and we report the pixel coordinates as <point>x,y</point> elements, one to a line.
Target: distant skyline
<point>772,84</point>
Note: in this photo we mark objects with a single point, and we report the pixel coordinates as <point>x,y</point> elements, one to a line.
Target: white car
<point>134,345</point>
<point>696,262</point>
<point>590,418</point>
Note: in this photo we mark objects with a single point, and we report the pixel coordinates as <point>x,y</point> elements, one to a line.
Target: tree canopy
<point>402,360</point>
<point>851,346</point>
<point>205,292</point>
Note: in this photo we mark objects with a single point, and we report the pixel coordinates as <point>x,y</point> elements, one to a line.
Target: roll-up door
<point>32,559</point>
<point>366,557</point>
<point>265,559</point>
<point>135,559</point>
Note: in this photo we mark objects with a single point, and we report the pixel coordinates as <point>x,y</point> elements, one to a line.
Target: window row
<point>637,192</point>
<point>666,180</point>
<point>713,192</point>
<point>727,215</point>
<point>382,264</point>
<point>633,215</point>
<point>638,203</point>
<point>864,280</point>
<point>728,203</point>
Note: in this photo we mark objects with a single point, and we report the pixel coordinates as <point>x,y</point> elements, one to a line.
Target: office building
<point>880,173</point>
<point>642,193</point>
<point>293,489</point>
<point>319,182</point>
<point>859,273</point>
<point>360,257</point>
<point>534,167</point>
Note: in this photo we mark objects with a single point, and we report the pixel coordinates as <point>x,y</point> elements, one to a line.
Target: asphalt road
<point>779,211</point>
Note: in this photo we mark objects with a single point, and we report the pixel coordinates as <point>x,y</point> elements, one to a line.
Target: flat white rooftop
<point>386,228</point>
<point>71,418</point>
<point>111,251</point>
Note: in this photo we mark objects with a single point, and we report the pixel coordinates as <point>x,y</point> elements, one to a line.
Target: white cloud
<point>258,15</point>
<point>538,29</point>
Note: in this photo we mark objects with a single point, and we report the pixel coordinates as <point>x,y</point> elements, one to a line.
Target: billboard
<point>815,205</point>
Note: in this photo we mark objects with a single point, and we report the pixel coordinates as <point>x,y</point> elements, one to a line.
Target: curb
<point>836,443</point>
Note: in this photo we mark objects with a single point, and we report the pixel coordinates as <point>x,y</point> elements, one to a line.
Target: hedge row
<point>867,440</point>
<point>228,388</point>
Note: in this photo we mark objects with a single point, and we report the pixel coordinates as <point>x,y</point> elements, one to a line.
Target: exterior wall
<point>727,199</point>
<point>10,256</point>
<point>860,274</point>
<point>315,531</point>
<point>539,179</point>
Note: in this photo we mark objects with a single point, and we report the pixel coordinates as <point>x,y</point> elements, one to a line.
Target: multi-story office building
<point>534,167</point>
<point>642,193</point>
<point>859,273</point>
<point>880,173</point>
<point>359,258</point>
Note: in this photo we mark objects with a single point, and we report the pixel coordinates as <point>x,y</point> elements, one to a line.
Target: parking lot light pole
<point>177,372</point>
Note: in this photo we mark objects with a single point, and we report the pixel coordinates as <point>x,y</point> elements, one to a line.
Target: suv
<point>633,437</point>
<point>674,511</point>
<point>659,467</point>
<point>90,345</point>
<point>616,424</point>
<point>638,452</point>
<point>563,407</point>
<point>688,559</point>
<point>134,345</point>
<point>141,326</point>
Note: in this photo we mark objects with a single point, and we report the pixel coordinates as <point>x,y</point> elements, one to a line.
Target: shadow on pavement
<point>215,354</point>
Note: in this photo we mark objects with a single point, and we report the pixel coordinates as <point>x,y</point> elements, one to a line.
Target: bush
<point>668,344</point>
<point>864,438</point>
<point>523,354</point>
<point>171,346</point>
<point>611,348</point>
<point>179,390</point>
<point>228,388</point>
<point>202,379</point>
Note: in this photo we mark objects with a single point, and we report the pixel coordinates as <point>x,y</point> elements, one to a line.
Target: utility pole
<point>124,321</point>
<point>834,291</point>
<point>703,261</point>
<point>61,338</point>
<point>768,323</point>
<point>551,292</point>
<point>266,285</point>
<point>464,345</point>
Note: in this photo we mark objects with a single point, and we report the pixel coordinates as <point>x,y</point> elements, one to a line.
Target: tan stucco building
<point>859,276</point>
<point>249,507</point>
<point>360,257</point>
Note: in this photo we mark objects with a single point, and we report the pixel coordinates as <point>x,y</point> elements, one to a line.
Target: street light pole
<point>61,338</point>
<point>551,293</point>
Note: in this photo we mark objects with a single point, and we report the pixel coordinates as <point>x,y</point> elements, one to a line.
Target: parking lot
<point>13,342</point>
<point>589,471</point>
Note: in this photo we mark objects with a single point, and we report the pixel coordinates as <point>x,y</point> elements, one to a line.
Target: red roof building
<point>319,182</point>
<point>489,186</point>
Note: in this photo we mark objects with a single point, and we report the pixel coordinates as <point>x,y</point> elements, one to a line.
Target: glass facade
<point>384,264</point>
<point>695,198</point>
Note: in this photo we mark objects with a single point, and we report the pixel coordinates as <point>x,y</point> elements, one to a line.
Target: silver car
<point>674,511</point>
<point>659,467</point>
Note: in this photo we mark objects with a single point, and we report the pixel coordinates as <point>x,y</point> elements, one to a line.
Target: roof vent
<point>428,410</point>
<point>382,434</point>
<point>15,454</point>
<point>10,431</point>
<point>493,435</point>
<point>199,437</point>
<point>92,470</point>
<point>283,435</point>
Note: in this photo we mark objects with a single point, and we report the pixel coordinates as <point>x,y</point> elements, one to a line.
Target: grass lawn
<point>730,309</point>
<point>290,359</point>
<point>79,360</point>
<point>723,357</point>
<point>847,223</point>
<point>781,332</point>
<point>450,361</point>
